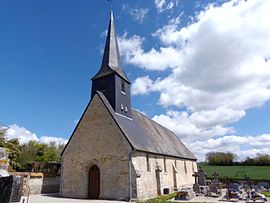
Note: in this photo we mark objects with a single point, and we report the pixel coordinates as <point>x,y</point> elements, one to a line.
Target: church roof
<point>144,134</point>
<point>111,62</point>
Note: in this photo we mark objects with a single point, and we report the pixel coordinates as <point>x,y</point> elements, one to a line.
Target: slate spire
<point>111,80</point>
<point>111,62</point>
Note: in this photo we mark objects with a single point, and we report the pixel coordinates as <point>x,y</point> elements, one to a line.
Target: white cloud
<point>142,85</point>
<point>243,146</point>
<point>24,135</point>
<point>163,5</point>
<point>199,125</point>
<point>131,50</point>
<point>218,70</point>
<point>214,64</point>
<point>49,139</point>
<point>139,14</point>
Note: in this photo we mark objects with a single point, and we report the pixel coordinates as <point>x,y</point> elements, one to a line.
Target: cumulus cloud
<point>218,69</point>
<point>142,85</point>
<point>14,131</point>
<point>133,53</point>
<point>199,125</point>
<point>243,146</point>
<point>24,135</point>
<point>56,140</point>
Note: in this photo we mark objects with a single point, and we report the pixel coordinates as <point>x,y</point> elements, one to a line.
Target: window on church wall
<point>147,162</point>
<point>175,163</point>
<point>185,167</point>
<point>123,88</point>
<point>165,167</point>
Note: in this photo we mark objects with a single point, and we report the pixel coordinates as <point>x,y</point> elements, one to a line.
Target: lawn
<point>238,172</point>
<point>267,194</point>
<point>161,199</point>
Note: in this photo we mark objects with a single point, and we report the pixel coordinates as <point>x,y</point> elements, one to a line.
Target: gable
<point>96,124</point>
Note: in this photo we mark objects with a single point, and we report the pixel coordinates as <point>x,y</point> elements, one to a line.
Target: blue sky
<point>188,60</point>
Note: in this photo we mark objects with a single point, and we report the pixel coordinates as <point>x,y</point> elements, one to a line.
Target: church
<point>116,152</point>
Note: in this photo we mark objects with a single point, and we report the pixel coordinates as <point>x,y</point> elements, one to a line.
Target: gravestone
<point>215,188</point>
<point>5,188</point>
<point>201,177</point>
<point>17,188</point>
<point>196,185</point>
<point>11,189</point>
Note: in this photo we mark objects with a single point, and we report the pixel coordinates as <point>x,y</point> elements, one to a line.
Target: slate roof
<point>144,134</point>
<point>111,62</point>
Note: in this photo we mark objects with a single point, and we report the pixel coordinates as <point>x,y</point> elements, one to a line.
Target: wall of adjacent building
<point>146,181</point>
<point>97,140</point>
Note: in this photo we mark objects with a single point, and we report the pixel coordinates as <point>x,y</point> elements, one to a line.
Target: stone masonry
<point>147,182</point>
<point>97,140</point>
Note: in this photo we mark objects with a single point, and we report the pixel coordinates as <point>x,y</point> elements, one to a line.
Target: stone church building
<point>116,152</point>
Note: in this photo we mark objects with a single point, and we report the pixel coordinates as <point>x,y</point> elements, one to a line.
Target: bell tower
<point>111,79</point>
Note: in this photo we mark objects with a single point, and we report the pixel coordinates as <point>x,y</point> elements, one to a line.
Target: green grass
<point>238,172</point>
<point>161,199</point>
<point>267,194</point>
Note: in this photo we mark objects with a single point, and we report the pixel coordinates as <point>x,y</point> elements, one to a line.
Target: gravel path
<point>54,198</point>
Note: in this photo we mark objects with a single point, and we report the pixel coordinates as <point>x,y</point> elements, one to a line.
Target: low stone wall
<point>39,184</point>
<point>50,185</point>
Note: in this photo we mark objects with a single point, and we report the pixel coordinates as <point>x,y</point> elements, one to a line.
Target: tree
<point>21,155</point>
<point>220,158</point>
<point>2,136</point>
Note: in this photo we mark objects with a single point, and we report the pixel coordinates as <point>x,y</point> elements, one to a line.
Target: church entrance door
<point>94,183</point>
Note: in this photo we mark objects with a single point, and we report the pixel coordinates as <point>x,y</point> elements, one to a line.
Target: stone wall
<point>97,140</point>
<point>38,183</point>
<point>50,185</point>
<point>43,185</point>
<point>147,180</point>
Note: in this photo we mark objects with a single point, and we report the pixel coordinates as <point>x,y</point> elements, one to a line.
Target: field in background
<point>238,172</point>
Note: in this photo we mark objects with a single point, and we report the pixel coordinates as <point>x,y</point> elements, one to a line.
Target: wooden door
<point>94,183</point>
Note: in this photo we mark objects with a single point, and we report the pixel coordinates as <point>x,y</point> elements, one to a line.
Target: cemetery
<point>206,190</point>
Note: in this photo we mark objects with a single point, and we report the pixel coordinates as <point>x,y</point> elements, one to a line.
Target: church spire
<point>111,62</point>
<point>111,79</point>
